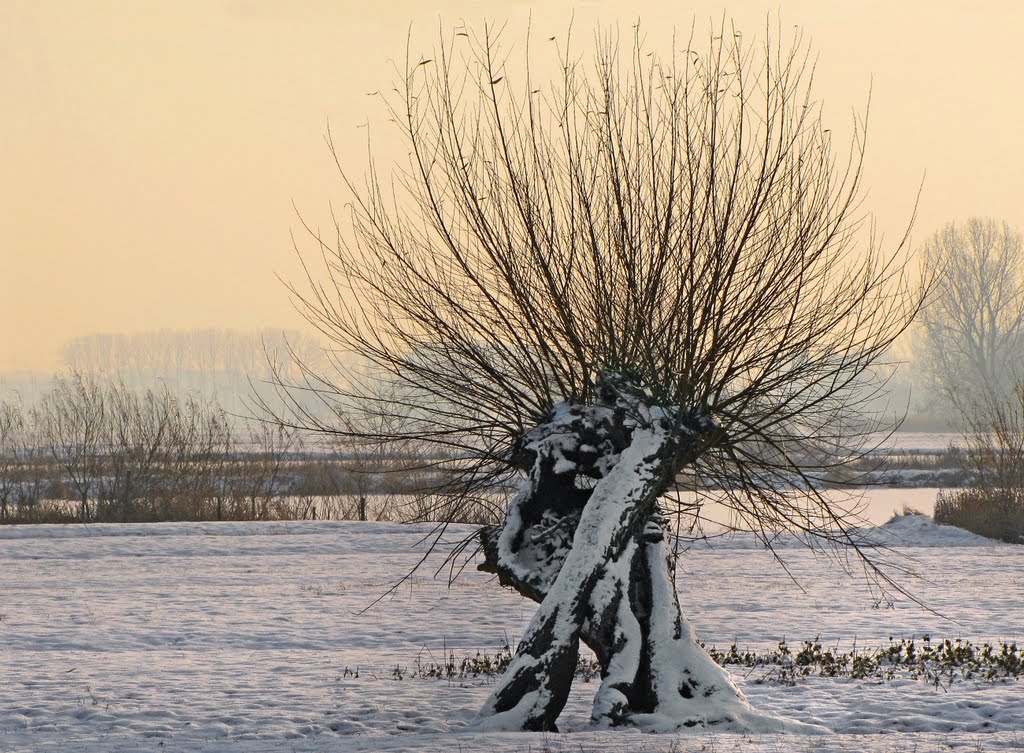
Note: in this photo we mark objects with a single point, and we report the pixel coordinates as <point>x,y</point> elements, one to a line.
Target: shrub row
<point>987,511</point>
<point>940,663</point>
<point>95,451</point>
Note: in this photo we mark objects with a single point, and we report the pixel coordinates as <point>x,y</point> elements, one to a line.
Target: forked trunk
<point>585,538</point>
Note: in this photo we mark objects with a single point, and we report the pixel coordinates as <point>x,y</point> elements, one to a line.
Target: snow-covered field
<point>267,637</point>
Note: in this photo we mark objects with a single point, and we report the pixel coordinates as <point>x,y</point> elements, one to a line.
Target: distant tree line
<point>96,450</point>
<point>229,366</point>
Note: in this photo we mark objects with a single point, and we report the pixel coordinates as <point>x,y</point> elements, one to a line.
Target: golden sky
<point>151,151</point>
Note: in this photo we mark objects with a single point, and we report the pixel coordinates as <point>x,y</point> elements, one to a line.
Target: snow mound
<point>904,531</point>
<point>922,531</point>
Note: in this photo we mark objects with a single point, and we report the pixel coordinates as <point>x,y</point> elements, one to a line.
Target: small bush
<point>482,664</point>
<point>906,512</point>
<point>939,663</point>
<point>990,512</point>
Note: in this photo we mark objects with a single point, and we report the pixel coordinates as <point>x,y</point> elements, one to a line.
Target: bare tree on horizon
<point>973,323</point>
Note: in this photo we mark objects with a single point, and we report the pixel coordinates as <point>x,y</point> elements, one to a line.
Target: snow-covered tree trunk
<point>654,673</point>
<point>585,538</point>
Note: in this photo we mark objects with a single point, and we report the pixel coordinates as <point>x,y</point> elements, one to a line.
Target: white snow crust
<point>231,637</point>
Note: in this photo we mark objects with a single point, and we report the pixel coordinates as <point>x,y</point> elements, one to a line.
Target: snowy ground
<point>247,637</point>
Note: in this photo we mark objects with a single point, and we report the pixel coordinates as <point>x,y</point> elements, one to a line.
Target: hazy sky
<point>150,152</point>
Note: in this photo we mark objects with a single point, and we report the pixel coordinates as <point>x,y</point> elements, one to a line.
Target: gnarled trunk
<point>585,538</point>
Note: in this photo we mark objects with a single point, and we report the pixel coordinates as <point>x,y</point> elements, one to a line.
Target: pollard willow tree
<point>642,275</point>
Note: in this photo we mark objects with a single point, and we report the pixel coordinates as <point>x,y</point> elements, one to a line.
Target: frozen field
<point>248,637</point>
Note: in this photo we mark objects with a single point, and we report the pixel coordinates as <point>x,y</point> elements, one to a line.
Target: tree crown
<point>677,226</point>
